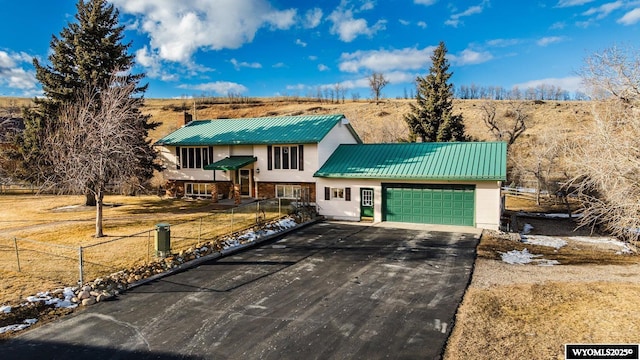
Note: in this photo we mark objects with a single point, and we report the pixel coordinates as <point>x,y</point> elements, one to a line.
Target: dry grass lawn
<point>63,225</point>
<point>530,311</point>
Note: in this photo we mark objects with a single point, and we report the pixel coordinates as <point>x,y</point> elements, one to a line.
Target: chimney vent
<point>187,118</point>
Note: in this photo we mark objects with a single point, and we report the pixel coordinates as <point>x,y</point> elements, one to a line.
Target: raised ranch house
<point>320,159</point>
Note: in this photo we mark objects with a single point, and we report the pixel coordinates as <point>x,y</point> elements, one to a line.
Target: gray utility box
<point>163,239</point>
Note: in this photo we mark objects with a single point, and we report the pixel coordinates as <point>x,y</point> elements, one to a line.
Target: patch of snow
<point>527,228</point>
<point>287,223</point>
<point>515,257</point>
<point>522,189</point>
<point>5,309</point>
<point>518,257</point>
<point>545,262</point>
<point>18,327</point>
<point>561,215</point>
<point>624,247</point>
<point>59,303</point>
<point>543,240</point>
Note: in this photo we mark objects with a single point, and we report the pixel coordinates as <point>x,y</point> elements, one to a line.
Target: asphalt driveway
<point>326,291</point>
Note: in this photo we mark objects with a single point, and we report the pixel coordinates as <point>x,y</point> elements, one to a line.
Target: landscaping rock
<point>89,301</point>
<point>84,294</point>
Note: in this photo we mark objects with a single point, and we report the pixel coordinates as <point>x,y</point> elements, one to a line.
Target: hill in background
<point>550,123</point>
<point>382,122</point>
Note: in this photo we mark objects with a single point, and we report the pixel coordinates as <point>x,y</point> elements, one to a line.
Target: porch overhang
<point>231,163</point>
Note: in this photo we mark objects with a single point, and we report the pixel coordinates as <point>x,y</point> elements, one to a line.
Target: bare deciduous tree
<point>376,83</point>
<point>509,125</point>
<point>538,158</point>
<point>615,72</point>
<point>97,146</point>
<point>606,159</point>
<point>606,168</point>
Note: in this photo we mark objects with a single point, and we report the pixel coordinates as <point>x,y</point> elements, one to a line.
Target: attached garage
<point>429,204</point>
<point>425,183</point>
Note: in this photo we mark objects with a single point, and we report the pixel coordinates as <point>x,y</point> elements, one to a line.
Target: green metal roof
<point>231,163</point>
<point>266,130</point>
<point>418,161</point>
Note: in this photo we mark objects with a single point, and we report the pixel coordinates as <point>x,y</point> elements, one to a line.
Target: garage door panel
<point>430,204</point>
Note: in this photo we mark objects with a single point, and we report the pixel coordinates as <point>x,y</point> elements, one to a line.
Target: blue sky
<point>261,48</point>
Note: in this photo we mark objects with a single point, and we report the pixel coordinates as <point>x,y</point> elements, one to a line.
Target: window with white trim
<point>197,189</point>
<point>334,193</point>
<point>288,191</point>
<point>193,157</point>
<point>285,157</point>
<point>337,193</point>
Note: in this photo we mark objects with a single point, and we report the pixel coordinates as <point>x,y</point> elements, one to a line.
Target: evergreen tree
<point>86,54</point>
<point>430,119</point>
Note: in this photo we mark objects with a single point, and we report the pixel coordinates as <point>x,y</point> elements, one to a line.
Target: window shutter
<point>301,157</point>
<point>269,162</point>
<point>327,193</point>
<point>178,157</point>
<point>347,194</point>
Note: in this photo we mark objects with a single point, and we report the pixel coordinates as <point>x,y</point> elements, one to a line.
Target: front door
<point>244,179</point>
<point>366,203</point>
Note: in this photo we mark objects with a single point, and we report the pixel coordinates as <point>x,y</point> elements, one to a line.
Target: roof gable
<point>418,161</point>
<point>265,130</point>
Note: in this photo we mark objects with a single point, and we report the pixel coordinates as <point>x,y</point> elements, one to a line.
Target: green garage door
<point>429,204</point>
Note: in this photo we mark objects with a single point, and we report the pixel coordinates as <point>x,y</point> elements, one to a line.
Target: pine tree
<point>86,54</point>
<point>431,118</point>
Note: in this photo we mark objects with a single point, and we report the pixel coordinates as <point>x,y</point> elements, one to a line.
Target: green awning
<point>231,163</point>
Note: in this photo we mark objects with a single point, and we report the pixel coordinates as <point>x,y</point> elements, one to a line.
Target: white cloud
<point>367,5</point>
<point>569,3</point>
<point>279,65</point>
<point>604,10</point>
<point>219,87</point>
<point>313,18</point>
<point>550,40</point>
<point>454,20</point>
<point>237,65</point>
<point>404,22</point>
<point>281,20</point>
<point>571,83</point>
<point>384,60</point>
<point>630,18</point>
<point>178,29</point>
<point>313,57</point>
<point>425,2</point>
<point>349,84</point>
<point>394,77</point>
<point>323,67</point>
<point>347,27</point>
<point>301,43</point>
<point>422,24</point>
<point>6,61</point>
<point>13,73</point>
<point>585,24</point>
<point>296,87</point>
<point>398,77</point>
<point>470,57</point>
<point>503,42</point>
